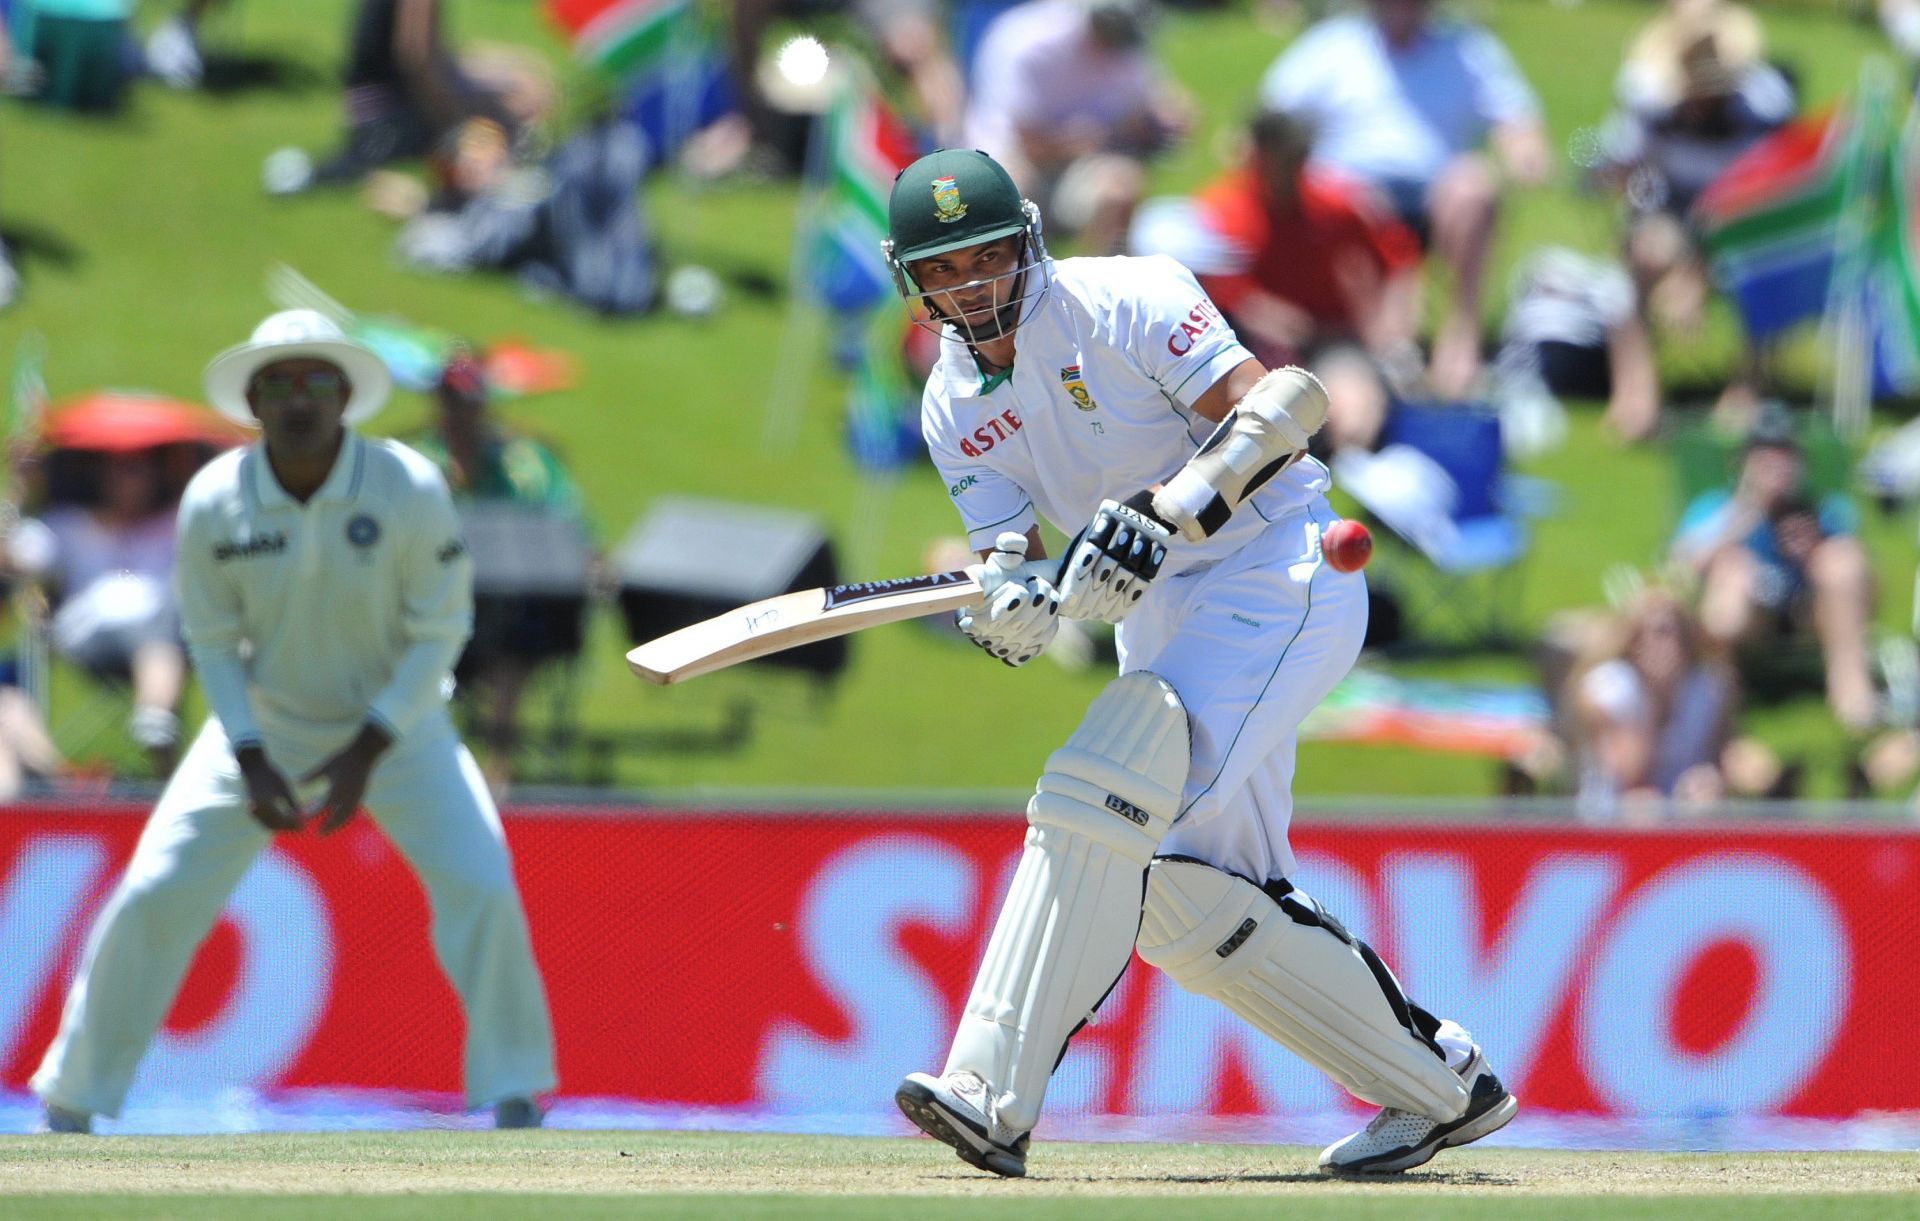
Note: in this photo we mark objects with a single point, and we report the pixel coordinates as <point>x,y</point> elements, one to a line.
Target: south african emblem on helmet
<point>1070,378</point>
<point>947,205</point>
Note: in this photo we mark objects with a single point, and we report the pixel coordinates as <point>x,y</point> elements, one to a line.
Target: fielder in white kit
<point>325,593</point>
<point>1109,397</point>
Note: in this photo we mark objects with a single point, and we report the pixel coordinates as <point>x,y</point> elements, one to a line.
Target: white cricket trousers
<point>1252,644</point>
<point>430,799</point>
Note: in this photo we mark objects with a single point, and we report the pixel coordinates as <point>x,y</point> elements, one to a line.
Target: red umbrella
<point>124,421</point>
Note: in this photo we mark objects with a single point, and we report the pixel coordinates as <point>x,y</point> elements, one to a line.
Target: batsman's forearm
<point>1268,429</point>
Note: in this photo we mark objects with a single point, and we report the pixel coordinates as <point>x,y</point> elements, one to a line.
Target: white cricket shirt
<point>1098,406</point>
<point>349,608</point>
<point>1383,112</point>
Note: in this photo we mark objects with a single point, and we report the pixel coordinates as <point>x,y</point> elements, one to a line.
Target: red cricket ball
<point>1347,546</point>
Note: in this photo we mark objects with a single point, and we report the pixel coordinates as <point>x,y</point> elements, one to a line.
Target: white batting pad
<point>1103,805</point>
<point>1304,987</point>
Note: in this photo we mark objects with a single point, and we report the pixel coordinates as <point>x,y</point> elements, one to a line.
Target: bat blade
<point>773,625</point>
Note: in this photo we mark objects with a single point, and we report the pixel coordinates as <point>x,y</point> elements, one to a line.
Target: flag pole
<point>800,337</point>
<point>1850,377</point>
<point>29,408</point>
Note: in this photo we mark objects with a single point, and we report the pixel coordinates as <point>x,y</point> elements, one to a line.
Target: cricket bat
<point>802,617</point>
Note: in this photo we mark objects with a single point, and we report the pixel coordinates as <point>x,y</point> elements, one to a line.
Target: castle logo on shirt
<point>995,430</point>
<point>947,204</point>
<point>1199,321</point>
<point>362,531</point>
<point>1077,388</point>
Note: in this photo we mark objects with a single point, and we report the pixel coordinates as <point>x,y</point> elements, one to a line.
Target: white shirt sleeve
<point>1174,331</point>
<point>1611,293</point>
<point>989,503</point>
<point>1295,81</point>
<point>1500,93</point>
<point>210,618</point>
<point>33,547</point>
<point>436,606</point>
<point>1613,689</point>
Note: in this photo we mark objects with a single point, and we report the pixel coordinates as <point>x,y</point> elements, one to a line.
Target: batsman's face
<point>299,404</point>
<point>970,286</point>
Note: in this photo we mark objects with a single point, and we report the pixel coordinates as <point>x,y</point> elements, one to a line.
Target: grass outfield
<point>733,1176</point>
<point>143,241</point>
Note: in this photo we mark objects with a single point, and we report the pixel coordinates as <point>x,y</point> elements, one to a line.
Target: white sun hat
<point>292,335</point>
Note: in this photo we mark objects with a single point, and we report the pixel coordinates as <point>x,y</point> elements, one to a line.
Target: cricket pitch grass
<point>477,1175</point>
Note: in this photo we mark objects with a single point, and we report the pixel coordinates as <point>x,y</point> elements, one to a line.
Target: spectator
<point>910,38</point>
<point>1572,332</point>
<point>1653,714</point>
<point>79,46</point>
<point>1774,562</point>
<point>484,462</point>
<point>573,227</point>
<point>27,750</point>
<point>1403,101</point>
<point>405,94</point>
<point>1693,95</point>
<point>1068,96</point>
<point>1325,264</point>
<point>111,566</point>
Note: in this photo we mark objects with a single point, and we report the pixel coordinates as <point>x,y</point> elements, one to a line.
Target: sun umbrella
<point>125,421</point>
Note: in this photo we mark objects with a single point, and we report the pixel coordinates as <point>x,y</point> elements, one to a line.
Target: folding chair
<point>1439,487</point>
<point>531,570</point>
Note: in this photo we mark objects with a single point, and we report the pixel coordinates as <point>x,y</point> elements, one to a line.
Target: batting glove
<point>1019,612</point>
<point>1113,561</point>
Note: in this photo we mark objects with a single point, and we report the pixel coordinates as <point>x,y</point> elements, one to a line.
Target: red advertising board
<point>798,964</point>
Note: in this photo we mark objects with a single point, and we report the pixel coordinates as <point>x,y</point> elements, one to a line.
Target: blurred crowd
<point>1347,226</point>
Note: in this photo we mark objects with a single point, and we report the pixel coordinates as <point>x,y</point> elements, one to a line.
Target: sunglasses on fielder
<point>318,384</point>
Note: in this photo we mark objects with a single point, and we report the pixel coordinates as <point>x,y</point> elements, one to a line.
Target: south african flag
<point>625,39</point>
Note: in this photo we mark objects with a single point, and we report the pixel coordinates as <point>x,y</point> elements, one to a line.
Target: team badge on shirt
<point>947,204</point>
<point>1070,378</point>
<point>363,531</point>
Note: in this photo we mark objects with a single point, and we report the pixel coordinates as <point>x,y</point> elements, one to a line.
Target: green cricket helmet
<point>950,200</point>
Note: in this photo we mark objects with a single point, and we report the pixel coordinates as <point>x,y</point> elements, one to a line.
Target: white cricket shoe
<point>958,1109</point>
<point>1399,1140</point>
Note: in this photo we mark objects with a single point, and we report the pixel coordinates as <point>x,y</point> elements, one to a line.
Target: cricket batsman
<point>325,593</point>
<point>1108,396</point>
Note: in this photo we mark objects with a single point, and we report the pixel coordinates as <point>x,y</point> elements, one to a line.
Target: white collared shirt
<point>1099,405</point>
<point>350,607</point>
<point>1039,67</point>
<point>1382,112</point>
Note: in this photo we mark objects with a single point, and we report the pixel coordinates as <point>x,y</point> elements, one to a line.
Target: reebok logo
<point>1127,810</point>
